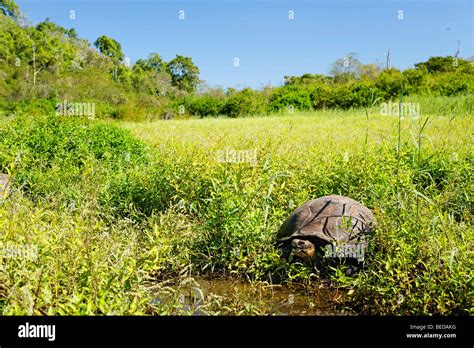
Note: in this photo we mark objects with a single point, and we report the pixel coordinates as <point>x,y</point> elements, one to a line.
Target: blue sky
<point>268,44</point>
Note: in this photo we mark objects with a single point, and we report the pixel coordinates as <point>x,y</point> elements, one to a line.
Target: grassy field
<point>118,209</point>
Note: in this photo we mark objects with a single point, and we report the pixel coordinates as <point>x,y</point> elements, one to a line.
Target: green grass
<point>120,210</point>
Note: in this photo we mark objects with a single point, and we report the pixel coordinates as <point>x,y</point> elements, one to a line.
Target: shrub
<point>243,103</point>
<point>51,154</point>
<point>450,84</point>
<point>204,105</point>
<point>290,96</point>
<point>391,83</point>
<point>321,96</point>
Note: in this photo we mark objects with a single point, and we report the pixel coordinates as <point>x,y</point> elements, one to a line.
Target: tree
<point>371,71</point>
<point>109,47</point>
<point>242,103</point>
<point>47,25</point>
<point>153,62</point>
<point>445,64</point>
<point>151,81</point>
<point>10,8</point>
<point>347,68</point>
<point>306,79</point>
<point>391,83</point>
<point>151,76</point>
<point>184,74</point>
<point>51,48</point>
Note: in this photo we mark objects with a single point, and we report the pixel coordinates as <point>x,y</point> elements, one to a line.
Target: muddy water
<point>209,296</point>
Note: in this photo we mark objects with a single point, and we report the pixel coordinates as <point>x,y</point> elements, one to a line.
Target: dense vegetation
<point>46,64</point>
<point>112,215</point>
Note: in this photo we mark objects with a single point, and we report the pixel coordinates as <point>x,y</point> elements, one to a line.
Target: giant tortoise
<point>333,222</point>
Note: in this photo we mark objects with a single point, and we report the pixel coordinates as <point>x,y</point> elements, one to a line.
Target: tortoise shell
<point>330,219</point>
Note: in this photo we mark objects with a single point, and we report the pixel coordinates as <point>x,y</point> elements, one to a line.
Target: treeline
<point>351,85</point>
<point>44,65</point>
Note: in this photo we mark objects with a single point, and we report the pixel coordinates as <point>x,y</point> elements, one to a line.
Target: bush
<point>285,97</point>
<point>204,105</point>
<point>416,80</point>
<point>321,96</point>
<point>243,103</point>
<point>32,107</point>
<point>130,111</point>
<point>391,83</point>
<point>50,155</point>
<point>363,94</point>
<point>450,84</point>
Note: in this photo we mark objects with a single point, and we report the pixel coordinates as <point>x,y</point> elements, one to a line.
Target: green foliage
<point>307,79</point>
<point>10,8</point>
<point>153,62</point>
<point>109,47</point>
<point>184,74</point>
<point>366,85</point>
<point>445,64</point>
<point>347,68</point>
<point>49,27</point>
<point>391,83</point>
<point>451,84</point>
<point>290,97</point>
<point>415,81</point>
<point>446,106</point>
<point>321,96</point>
<point>204,105</point>
<point>153,87</point>
<point>50,154</point>
<point>243,103</point>
<point>122,215</point>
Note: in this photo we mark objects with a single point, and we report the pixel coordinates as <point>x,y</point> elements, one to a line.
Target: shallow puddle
<point>219,296</point>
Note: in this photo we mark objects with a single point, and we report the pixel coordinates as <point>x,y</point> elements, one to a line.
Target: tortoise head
<point>303,249</point>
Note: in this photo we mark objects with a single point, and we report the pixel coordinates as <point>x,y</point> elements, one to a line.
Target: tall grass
<point>113,211</point>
